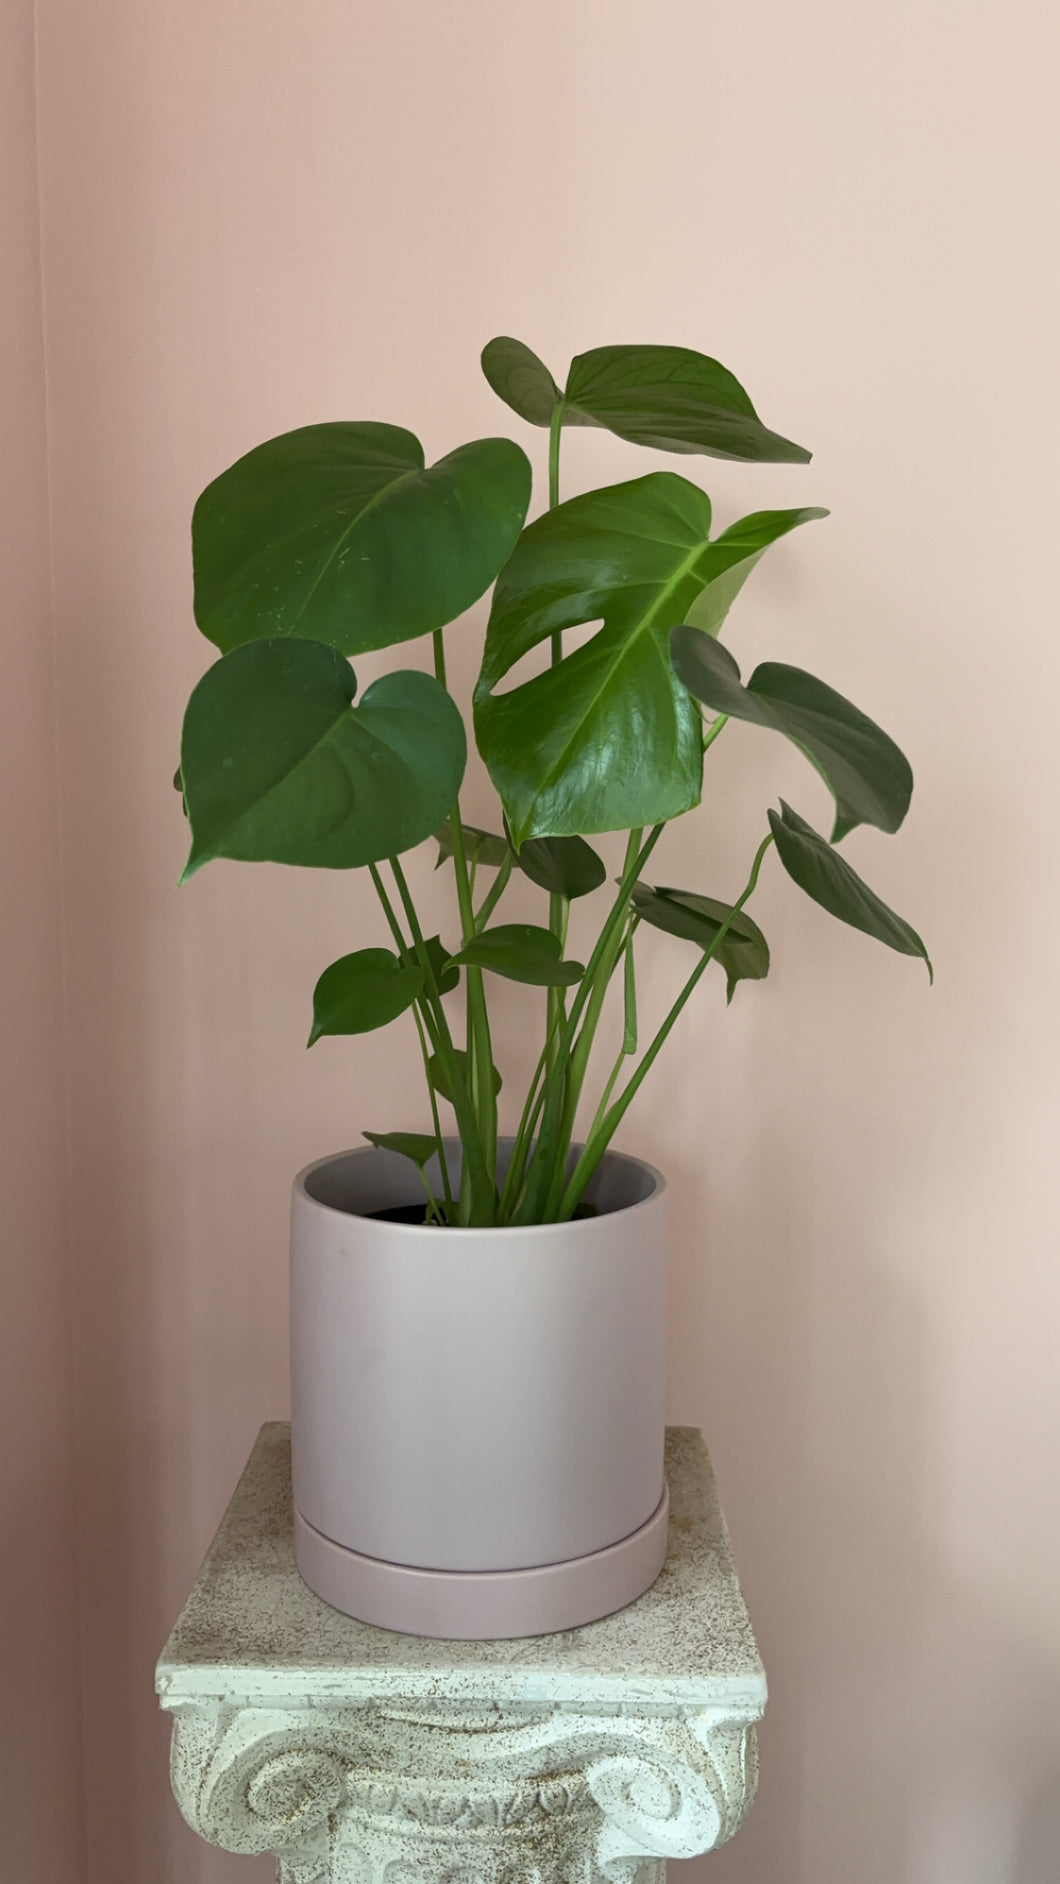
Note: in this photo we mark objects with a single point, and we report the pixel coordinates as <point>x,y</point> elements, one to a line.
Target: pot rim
<point>658,1190</point>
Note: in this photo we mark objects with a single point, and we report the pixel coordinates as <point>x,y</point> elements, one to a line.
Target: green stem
<point>479,1045</point>
<point>716,726</point>
<point>551,1147</point>
<point>601,1137</point>
<point>481,1191</point>
<point>493,897</point>
<point>442,1162</point>
<point>557,921</point>
<point>521,1143</point>
<point>428,1018</point>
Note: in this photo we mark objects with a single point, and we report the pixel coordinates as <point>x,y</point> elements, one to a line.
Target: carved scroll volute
<point>681,1794</point>
<point>255,1782</point>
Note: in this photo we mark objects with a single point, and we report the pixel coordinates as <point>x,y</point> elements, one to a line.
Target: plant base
<point>483,1605</point>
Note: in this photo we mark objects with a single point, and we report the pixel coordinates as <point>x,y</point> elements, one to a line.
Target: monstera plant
<point>337,539</point>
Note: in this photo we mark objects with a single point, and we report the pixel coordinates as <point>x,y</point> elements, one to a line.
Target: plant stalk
<point>601,1137</point>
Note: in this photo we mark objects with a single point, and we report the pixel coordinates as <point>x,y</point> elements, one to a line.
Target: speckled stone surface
<point>252,1626</point>
<point>357,1756</point>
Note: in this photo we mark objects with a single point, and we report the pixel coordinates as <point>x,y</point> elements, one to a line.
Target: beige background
<point>256,214</point>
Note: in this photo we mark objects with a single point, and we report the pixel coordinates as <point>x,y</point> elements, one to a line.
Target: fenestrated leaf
<point>744,953</point>
<point>279,766</point>
<point>751,536</point>
<point>440,1081</point>
<point>522,380</point>
<point>419,1146</point>
<point>362,991</point>
<point>522,952</point>
<point>867,774</point>
<point>830,881</point>
<point>564,866</point>
<point>608,739</point>
<point>672,399</point>
<point>480,847</point>
<point>338,533</point>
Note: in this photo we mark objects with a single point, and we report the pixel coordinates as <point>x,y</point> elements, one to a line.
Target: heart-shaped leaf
<point>608,739</point>
<point>867,774</point>
<point>338,533</point>
<point>439,1078</point>
<point>744,954</point>
<point>279,766</point>
<point>828,879</point>
<point>446,978</point>
<point>750,537</point>
<point>564,866</point>
<point>522,952</point>
<point>480,847</point>
<point>672,399</point>
<point>363,991</point>
<point>419,1146</point>
<point>520,379</point>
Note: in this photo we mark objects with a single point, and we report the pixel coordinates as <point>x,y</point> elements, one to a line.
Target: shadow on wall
<point>909,1727</point>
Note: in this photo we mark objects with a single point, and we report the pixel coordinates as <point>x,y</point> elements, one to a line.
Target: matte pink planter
<point>477,1415</point>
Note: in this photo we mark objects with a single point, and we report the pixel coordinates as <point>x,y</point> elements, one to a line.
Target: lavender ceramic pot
<point>477,1415</point>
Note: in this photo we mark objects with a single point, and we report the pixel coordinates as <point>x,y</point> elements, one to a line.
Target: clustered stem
<point>543,1182</point>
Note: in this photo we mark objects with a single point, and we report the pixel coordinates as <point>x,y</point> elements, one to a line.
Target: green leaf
<point>440,1081</point>
<point>279,766</point>
<point>419,1146</point>
<point>744,954</point>
<point>564,866</point>
<point>672,399</point>
<point>608,739</point>
<point>522,380</point>
<point>521,952</point>
<point>446,977</point>
<point>480,847</point>
<point>745,542</point>
<point>338,533</point>
<point>867,774</point>
<point>363,991</point>
<point>828,879</point>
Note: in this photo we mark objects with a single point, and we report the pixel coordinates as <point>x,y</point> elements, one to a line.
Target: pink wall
<point>257,215</point>
<point>40,1720</point>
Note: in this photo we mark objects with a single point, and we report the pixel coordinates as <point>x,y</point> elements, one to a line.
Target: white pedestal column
<point>358,1756</point>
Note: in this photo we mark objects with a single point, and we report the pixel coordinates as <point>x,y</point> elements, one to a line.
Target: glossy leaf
<point>440,1081</point>
<point>672,399</point>
<point>867,774</point>
<point>829,880</point>
<point>745,542</point>
<point>280,766</point>
<point>338,533</point>
<point>522,380</point>
<point>363,991</point>
<point>522,952</point>
<point>564,866</point>
<point>446,978</point>
<point>480,847</point>
<point>419,1146</point>
<point>607,740</point>
<point>744,954</point>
